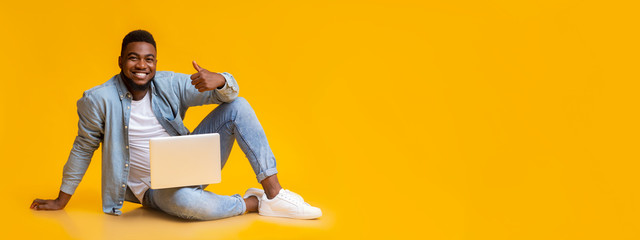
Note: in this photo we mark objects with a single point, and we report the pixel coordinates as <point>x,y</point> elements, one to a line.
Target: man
<point>139,104</point>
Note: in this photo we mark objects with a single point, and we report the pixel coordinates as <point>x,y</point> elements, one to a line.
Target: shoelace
<point>293,197</point>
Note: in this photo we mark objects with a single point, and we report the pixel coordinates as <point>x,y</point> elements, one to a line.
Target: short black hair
<point>137,36</point>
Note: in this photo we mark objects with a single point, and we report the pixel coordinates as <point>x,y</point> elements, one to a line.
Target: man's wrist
<point>224,81</point>
<point>63,199</point>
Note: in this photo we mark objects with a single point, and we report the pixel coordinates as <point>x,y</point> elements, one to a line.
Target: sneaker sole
<point>285,215</point>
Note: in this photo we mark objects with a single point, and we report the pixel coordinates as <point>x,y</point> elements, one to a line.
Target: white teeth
<point>141,74</point>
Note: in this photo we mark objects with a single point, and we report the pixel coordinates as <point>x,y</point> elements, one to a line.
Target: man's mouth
<point>140,75</point>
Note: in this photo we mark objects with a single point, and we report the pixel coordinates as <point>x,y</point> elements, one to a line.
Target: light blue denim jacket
<point>104,112</point>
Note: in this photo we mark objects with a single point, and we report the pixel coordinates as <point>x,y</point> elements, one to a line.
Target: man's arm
<point>208,87</point>
<point>90,135</point>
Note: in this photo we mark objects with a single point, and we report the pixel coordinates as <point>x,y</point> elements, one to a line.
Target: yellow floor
<point>142,223</point>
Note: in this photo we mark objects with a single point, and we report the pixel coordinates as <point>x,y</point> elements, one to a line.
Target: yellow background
<point>419,119</point>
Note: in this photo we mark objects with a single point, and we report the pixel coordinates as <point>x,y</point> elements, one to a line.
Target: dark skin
<point>138,64</point>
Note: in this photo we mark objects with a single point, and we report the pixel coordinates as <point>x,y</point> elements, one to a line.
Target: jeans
<point>233,121</point>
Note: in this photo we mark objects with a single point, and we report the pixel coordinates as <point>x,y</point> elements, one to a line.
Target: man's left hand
<point>204,80</point>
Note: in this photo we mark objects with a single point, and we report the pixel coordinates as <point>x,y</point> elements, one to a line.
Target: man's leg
<point>194,203</point>
<point>237,121</point>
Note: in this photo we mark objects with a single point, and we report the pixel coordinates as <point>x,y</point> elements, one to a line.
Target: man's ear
<point>120,62</point>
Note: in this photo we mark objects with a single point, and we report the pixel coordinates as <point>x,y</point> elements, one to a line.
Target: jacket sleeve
<point>90,134</point>
<point>191,97</point>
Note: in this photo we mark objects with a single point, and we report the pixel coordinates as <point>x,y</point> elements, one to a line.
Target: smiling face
<point>138,65</point>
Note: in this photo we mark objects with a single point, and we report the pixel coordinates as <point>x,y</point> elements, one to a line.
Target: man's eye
<point>133,58</point>
<point>149,59</point>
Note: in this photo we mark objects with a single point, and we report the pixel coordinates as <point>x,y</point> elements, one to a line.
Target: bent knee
<point>240,106</point>
<point>239,102</point>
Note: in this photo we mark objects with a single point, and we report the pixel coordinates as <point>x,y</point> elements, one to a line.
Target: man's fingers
<point>195,76</point>
<point>38,204</point>
<point>196,66</point>
<point>196,81</point>
<point>43,204</point>
<point>200,85</point>
<point>43,207</point>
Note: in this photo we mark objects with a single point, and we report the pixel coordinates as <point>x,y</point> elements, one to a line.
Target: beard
<point>133,85</point>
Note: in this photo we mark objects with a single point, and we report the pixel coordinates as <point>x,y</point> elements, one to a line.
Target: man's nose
<point>141,65</point>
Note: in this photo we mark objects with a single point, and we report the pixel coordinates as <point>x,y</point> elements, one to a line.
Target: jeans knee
<point>239,108</point>
<point>240,104</point>
<point>182,196</point>
<point>194,204</point>
<point>181,202</point>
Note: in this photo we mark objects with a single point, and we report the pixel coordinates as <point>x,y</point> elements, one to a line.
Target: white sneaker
<point>287,204</point>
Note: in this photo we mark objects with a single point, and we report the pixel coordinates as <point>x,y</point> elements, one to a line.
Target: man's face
<point>138,65</point>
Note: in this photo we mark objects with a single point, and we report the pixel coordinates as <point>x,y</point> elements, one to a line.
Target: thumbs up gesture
<point>204,80</point>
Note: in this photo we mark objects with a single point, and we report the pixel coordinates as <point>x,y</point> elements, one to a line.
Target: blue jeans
<point>233,121</point>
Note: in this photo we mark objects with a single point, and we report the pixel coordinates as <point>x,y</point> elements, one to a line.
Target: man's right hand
<point>51,204</point>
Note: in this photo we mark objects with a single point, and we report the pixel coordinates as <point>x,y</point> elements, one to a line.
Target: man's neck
<point>138,95</point>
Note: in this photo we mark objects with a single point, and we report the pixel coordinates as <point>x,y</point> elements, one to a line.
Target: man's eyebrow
<point>150,55</point>
<point>133,53</point>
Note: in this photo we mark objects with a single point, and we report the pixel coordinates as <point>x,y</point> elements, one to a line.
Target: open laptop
<point>184,160</point>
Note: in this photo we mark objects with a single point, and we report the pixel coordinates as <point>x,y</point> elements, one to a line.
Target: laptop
<point>184,160</point>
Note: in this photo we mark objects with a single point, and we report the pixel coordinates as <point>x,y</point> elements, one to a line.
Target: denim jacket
<point>104,112</point>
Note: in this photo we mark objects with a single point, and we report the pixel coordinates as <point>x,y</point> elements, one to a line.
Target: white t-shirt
<point>143,126</point>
